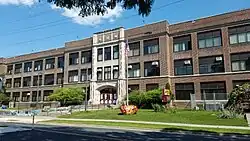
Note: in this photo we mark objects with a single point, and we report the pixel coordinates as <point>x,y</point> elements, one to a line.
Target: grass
<point>181,116</point>
<point>163,128</point>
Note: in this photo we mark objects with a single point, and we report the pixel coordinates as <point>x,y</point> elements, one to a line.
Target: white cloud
<point>18,2</point>
<point>92,20</point>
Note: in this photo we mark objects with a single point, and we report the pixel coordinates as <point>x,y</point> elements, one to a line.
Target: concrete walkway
<point>39,119</point>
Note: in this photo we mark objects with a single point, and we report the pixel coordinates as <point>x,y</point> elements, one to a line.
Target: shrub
<point>236,97</point>
<point>229,114</point>
<point>158,107</point>
<point>137,98</point>
<point>145,99</point>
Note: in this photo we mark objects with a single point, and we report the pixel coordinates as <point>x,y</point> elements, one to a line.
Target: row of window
<point>237,35</point>
<point>38,65</point>
<point>208,90</point>
<point>27,96</point>
<point>48,80</point>
<point>213,64</point>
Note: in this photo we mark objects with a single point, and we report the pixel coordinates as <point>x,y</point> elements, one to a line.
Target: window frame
<point>146,47</point>
<point>145,64</point>
<point>185,66</point>
<point>209,35</point>
<point>203,60</point>
<point>182,40</point>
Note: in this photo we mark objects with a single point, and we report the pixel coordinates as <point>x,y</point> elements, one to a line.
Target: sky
<point>28,26</point>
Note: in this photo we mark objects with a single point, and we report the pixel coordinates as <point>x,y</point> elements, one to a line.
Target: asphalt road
<point>59,133</point>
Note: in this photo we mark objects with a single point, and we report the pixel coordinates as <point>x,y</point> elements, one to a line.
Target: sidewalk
<point>39,119</point>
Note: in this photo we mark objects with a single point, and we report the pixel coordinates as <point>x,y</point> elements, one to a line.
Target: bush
<point>236,97</point>
<point>145,99</point>
<point>158,107</point>
<point>229,114</point>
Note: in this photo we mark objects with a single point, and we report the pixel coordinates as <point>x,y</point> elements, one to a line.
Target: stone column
<point>226,49</point>
<point>56,62</point>
<point>11,95</point>
<point>30,98</point>
<point>122,70</point>
<point>66,64</point>
<point>55,78</point>
<point>93,94</point>
<point>20,96</point>
<point>42,93</point>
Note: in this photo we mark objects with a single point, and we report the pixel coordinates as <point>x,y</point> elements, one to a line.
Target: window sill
<point>183,51</point>
<point>151,53</point>
<point>239,44</point>
<point>209,47</point>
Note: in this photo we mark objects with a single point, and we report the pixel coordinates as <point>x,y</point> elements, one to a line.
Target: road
<point>60,133</point>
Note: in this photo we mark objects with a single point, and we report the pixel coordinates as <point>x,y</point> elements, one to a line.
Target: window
<point>89,74</point>
<point>28,67</point>
<point>9,69</point>
<point>182,43</point>
<point>209,39</point>
<point>152,68</point>
<point>35,80</point>
<point>133,87</point>
<point>59,78</point>
<point>183,67</point>
<point>38,65</point>
<point>73,76</point>
<point>17,82</point>
<point>208,89</point>
<point>116,52</point>
<point>214,64</point>
<point>8,83</point>
<point>134,49</point>
<point>115,72</point>
<point>240,62</point>
<point>240,34</point>
<point>151,46</point>
<point>49,79</point>
<point>99,73</point>
<point>73,58</point>
<point>50,64</point>
<point>26,81</point>
<point>100,54</point>
<point>134,70</point>
<point>84,76</point>
<point>18,68</point>
<point>240,82</point>
<point>150,87</point>
<point>107,73</point>
<point>60,62</point>
<point>183,91</point>
<point>86,57</point>
<point>107,53</point>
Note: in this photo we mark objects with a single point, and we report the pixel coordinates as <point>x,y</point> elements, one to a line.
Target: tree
<point>68,96</point>
<point>92,7</point>
<point>4,99</point>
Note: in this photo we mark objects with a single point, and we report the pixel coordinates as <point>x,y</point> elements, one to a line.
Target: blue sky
<point>27,26</point>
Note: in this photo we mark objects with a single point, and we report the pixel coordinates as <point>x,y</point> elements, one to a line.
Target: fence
<point>209,101</point>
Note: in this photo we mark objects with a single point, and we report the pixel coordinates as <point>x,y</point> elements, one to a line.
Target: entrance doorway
<point>108,96</point>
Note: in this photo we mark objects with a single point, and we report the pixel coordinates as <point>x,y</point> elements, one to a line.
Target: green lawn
<point>163,128</point>
<point>181,116</point>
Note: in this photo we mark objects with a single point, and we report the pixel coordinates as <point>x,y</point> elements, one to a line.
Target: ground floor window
<point>240,82</point>
<point>208,89</point>
<point>134,87</point>
<point>150,87</point>
<point>183,90</point>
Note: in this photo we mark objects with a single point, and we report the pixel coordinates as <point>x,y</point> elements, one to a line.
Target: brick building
<point>208,55</point>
